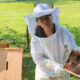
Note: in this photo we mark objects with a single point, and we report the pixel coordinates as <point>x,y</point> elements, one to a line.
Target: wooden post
<point>27,35</point>
<point>11,63</point>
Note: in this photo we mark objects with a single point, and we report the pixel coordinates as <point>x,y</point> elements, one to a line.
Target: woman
<point>45,26</point>
<point>51,44</point>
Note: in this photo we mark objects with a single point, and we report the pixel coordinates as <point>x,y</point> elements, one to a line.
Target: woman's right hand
<point>59,70</point>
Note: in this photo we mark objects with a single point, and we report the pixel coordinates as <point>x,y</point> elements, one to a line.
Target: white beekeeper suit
<point>50,53</point>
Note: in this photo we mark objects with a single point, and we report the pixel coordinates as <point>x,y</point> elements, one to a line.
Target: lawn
<point>13,28</point>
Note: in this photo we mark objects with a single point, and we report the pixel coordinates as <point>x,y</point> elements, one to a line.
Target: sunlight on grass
<point>12,15</point>
<point>70,17</point>
<point>70,13</point>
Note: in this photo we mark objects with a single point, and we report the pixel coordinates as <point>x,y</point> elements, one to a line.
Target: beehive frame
<point>73,68</point>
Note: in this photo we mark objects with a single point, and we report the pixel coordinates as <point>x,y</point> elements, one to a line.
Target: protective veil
<point>50,53</point>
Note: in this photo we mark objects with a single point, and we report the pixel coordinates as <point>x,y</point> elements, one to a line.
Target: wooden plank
<point>4,45</point>
<point>12,63</point>
<point>3,58</point>
<point>71,72</point>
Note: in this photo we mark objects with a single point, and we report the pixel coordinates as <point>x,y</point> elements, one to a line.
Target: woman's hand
<point>59,70</point>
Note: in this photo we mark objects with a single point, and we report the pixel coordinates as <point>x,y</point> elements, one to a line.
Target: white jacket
<point>52,52</point>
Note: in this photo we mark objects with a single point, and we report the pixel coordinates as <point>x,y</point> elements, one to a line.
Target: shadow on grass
<point>28,70</point>
<point>74,78</point>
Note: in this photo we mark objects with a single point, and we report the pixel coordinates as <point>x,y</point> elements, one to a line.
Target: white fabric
<point>39,76</point>
<point>31,18</point>
<point>40,7</point>
<point>51,53</point>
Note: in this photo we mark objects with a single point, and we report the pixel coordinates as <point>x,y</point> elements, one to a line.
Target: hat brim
<point>31,19</point>
<point>42,13</point>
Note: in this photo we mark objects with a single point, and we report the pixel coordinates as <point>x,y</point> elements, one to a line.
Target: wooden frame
<point>11,63</point>
<point>4,44</point>
<point>72,65</point>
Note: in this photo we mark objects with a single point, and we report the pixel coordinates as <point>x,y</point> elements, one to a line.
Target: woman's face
<point>44,21</point>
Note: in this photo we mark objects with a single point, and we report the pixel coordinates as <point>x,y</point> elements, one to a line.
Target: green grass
<point>13,27</point>
<point>28,67</point>
<point>70,17</point>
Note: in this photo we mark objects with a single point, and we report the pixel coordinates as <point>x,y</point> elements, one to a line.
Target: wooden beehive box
<point>10,63</point>
<point>4,45</point>
<point>73,63</point>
